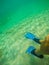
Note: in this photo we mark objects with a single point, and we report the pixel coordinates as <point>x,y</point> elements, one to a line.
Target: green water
<point>18,17</point>
<point>12,12</point>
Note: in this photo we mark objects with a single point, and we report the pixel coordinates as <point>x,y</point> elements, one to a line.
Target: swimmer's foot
<point>31,50</point>
<point>32,37</point>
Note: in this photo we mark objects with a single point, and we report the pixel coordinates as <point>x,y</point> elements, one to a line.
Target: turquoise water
<point>17,17</point>
<point>12,12</point>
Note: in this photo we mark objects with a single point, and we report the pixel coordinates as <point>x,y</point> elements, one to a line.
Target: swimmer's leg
<point>32,37</point>
<point>31,50</point>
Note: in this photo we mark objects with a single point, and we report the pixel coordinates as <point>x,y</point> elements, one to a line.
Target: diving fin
<point>31,50</point>
<point>32,37</point>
